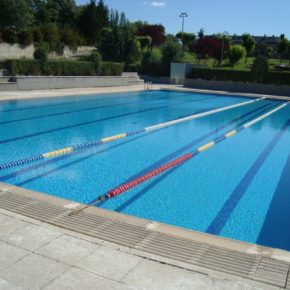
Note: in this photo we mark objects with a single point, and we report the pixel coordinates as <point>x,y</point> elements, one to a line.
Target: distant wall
<point>15,51</point>
<point>8,51</point>
<point>46,83</point>
<point>238,87</point>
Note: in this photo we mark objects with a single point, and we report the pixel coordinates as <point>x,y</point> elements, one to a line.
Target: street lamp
<point>224,34</point>
<point>183,15</point>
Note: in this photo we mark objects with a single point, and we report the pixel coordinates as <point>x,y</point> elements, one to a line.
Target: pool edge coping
<point>196,236</point>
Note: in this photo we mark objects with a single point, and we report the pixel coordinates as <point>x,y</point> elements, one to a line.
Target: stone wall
<point>8,51</point>
<point>15,51</point>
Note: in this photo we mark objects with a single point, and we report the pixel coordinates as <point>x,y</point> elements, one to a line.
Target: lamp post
<point>183,15</point>
<point>224,34</point>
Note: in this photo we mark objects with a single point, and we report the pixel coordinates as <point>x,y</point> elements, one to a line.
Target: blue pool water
<point>239,189</point>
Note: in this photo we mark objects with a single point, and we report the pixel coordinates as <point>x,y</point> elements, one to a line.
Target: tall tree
<point>62,12</point>
<point>283,48</point>
<point>156,32</point>
<point>17,13</point>
<point>236,53</point>
<point>92,19</point>
<point>187,39</point>
<point>248,43</point>
<point>200,34</point>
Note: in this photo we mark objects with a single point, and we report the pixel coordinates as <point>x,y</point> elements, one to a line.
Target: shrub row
<point>111,68</point>
<point>277,78</point>
<point>61,68</point>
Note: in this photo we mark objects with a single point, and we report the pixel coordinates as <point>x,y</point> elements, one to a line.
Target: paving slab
<point>220,284</point>
<point>10,254</point>
<point>31,237</point>
<point>9,225</point>
<point>5,285</point>
<point>33,272</point>
<point>109,263</point>
<point>67,249</point>
<point>153,275</point>
<point>76,279</point>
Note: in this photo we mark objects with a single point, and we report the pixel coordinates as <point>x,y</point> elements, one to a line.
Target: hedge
<point>61,68</point>
<point>111,68</point>
<point>277,78</point>
<point>69,68</point>
<point>23,67</point>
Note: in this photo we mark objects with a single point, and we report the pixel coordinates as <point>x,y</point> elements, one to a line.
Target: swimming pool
<point>238,189</point>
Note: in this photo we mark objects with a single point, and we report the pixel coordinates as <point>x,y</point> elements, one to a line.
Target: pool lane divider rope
<point>68,150</point>
<point>133,183</point>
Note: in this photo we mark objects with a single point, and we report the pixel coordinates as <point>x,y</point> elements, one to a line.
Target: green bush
<point>96,58</point>
<point>51,35</point>
<point>277,78</point>
<point>70,68</point>
<point>23,67</point>
<point>9,35</point>
<point>25,37</point>
<point>41,54</point>
<point>37,35</point>
<point>260,68</point>
<point>61,68</point>
<point>133,67</point>
<point>112,68</point>
<point>152,65</point>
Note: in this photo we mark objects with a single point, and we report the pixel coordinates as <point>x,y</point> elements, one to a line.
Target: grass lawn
<point>242,65</point>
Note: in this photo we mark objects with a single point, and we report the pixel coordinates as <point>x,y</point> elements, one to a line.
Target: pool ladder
<point>148,86</point>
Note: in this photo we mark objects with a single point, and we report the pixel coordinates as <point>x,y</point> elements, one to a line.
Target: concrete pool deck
<point>38,94</point>
<point>41,247</point>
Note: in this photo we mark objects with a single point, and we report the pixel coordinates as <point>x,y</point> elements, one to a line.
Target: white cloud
<point>155,3</point>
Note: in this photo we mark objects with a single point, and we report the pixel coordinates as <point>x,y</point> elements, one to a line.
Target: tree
<point>187,39</point>
<point>25,37</point>
<point>260,68</point>
<point>41,54</point>
<point>283,48</point>
<point>15,13</point>
<point>248,43</point>
<point>145,41</point>
<point>96,58</point>
<point>156,32</point>
<point>51,36</point>
<point>200,34</point>
<point>92,19</point>
<point>62,12</point>
<point>170,52</point>
<point>236,53</point>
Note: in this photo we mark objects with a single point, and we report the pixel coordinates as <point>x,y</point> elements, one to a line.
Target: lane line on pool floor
<point>129,185</point>
<point>5,141</point>
<point>169,157</point>
<point>72,112</point>
<point>227,209</point>
<point>4,178</point>
<point>104,140</point>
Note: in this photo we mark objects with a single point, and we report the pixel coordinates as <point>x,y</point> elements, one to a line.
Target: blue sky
<point>257,17</point>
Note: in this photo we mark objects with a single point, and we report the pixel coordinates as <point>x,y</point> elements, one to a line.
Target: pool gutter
<point>184,248</point>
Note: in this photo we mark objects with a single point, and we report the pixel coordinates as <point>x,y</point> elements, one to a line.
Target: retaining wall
<point>46,83</point>
<point>238,87</point>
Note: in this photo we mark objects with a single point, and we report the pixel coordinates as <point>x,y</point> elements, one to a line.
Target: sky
<point>257,17</point>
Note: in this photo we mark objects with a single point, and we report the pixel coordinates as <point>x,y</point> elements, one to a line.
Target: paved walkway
<point>35,255</point>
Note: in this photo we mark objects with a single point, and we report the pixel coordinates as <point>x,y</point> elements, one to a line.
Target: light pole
<point>183,15</point>
<point>224,34</point>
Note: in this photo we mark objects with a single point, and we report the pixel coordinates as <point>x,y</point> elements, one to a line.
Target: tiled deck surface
<point>40,256</point>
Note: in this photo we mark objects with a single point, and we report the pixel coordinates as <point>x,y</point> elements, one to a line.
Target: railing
<point>148,86</point>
